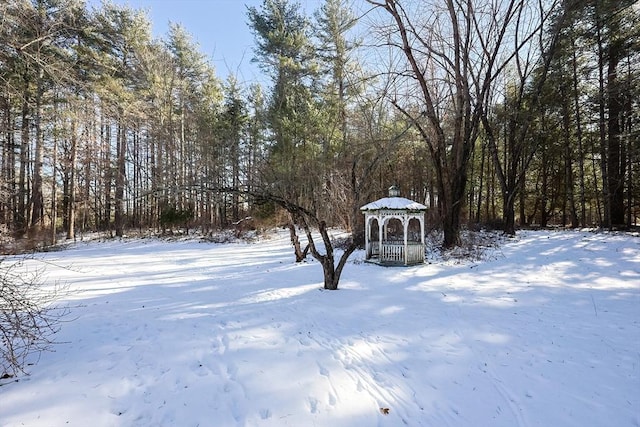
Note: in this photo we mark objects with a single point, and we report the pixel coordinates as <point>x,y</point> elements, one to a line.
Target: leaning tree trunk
<point>295,241</point>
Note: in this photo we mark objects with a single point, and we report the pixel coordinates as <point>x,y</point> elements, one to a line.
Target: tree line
<point>508,113</point>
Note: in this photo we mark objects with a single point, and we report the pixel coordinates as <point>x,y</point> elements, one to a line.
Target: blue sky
<point>218,26</point>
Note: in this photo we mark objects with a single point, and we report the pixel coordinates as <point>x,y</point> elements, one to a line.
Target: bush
<point>475,245</point>
<point>28,316</point>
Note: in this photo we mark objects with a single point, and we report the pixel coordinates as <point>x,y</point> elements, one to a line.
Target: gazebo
<point>394,230</point>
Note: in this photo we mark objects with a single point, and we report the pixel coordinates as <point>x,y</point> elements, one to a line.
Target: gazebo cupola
<point>394,230</point>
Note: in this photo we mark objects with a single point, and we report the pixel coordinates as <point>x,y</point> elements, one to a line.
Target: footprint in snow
<point>303,339</point>
<point>232,371</point>
<point>313,405</point>
<point>265,414</point>
<point>323,371</point>
<point>332,399</point>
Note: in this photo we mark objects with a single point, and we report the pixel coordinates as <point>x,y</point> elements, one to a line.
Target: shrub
<point>28,316</point>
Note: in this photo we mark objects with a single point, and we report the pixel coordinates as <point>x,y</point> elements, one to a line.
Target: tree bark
<point>120,178</point>
<point>71,186</point>
<point>107,167</point>
<point>23,190</point>
<point>331,272</point>
<point>295,241</point>
<point>569,209</point>
<point>37,197</point>
<point>579,135</point>
<point>54,177</point>
<point>602,131</point>
<point>616,161</point>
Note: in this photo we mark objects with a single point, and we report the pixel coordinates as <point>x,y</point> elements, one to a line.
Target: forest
<point>502,114</point>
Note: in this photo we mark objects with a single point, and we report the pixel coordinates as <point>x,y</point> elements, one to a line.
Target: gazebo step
<point>392,263</point>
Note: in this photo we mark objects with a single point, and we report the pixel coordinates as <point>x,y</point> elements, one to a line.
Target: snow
<point>544,332</point>
<point>394,203</point>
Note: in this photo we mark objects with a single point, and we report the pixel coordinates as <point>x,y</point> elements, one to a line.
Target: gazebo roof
<point>394,203</point>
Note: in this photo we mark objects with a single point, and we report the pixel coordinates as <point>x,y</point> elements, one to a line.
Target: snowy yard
<point>546,332</point>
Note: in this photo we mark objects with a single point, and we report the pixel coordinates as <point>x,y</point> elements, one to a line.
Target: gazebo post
<point>381,228</point>
<point>405,225</point>
<point>367,227</point>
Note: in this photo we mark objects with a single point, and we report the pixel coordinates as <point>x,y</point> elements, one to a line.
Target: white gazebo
<point>394,230</point>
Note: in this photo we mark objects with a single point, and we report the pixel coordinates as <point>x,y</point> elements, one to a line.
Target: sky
<point>218,26</point>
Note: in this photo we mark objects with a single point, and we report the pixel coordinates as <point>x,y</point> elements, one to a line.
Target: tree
<point>457,68</point>
<point>615,42</point>
<point>453,67</point>
<point>337,90</point>
<point>124,33</point>
<point>35,61</point>
<point>233,120</point>
<point>532,56</point>
<point>591,69</point>
<point>284,51</point>
<point>333,22</point>
<point>291,176</point>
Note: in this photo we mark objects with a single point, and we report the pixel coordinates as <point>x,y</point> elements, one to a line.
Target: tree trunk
<point>481,179</point>
<point>616,162</point>
<point>569,204</point>
<point>120,178</point>
<point>522,196</point>
<point>600,202</point>
<point>23,192</point>
<point>509,214</point>
<point>602,126</point>
<point>54,184</point>
<point>452,206</point>
<point>71,186</point>
<point>9,173</point>
<point>54,177</point>
<point>331,272</point>
<point>544,196</point>
<point>37,197</point>
<point>105,136</point>
<point>631,151</point>
<point>579,136</point>
<point>295,241</point>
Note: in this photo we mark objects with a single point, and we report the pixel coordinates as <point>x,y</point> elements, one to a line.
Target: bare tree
<point>28,316</point>
<point>455,53</point>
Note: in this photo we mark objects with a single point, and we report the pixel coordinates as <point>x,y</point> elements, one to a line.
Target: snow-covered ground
<point>546,332</point>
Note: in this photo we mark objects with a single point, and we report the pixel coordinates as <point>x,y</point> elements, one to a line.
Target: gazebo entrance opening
<point>394,230</point>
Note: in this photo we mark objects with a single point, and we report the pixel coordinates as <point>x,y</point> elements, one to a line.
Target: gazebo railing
<point>415,253</point>
<point>392,252</point>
